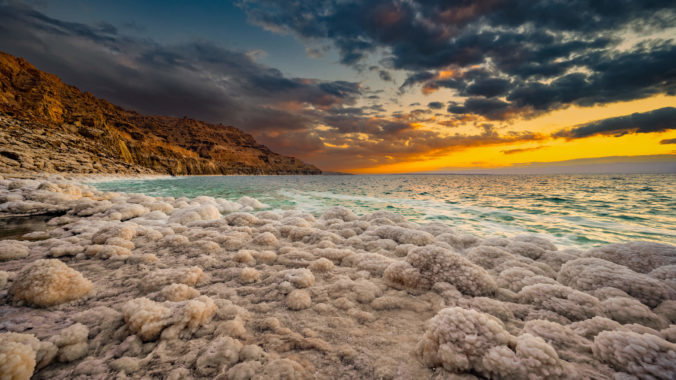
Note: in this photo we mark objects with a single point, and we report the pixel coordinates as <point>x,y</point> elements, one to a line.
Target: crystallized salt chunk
<point>425,266</point>
<point>13,249</point>
<point>298,299</point>
<point>643,355</point>
<point>49,282</point>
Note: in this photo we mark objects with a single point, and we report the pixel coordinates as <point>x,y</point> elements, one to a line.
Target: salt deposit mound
<point>133,286</point>
<point>48,282</point>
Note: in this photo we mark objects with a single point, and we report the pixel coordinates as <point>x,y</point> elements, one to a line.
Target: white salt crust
<point>133,286</point>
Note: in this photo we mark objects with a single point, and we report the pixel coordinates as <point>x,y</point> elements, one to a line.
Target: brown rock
<point>40,116</point>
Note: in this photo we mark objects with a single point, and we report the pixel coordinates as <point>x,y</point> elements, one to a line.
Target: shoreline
<point>201,287</point>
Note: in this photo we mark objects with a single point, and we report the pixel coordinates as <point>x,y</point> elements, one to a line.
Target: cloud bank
<point>504,57</point>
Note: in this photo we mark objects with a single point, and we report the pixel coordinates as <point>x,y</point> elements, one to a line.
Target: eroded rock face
<point>48,126</point>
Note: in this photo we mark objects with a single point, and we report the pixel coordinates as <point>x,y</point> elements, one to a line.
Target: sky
<point>383,86</point>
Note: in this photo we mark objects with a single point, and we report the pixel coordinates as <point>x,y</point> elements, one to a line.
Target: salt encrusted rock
<point>666,309</point>
<point>591,327</point>
<point>244,256</point>
<point>264,257</point>
<point>629,310</point>
<point>645,356</point>
<point>425,266</point>
<point>20,354</point>
<point>220,354</point>
<point>568,344</point>
<point>266,239</point>
<point>300,278</point>
<point>525,249</point>
<point>487,256</point>
<point>404,235</point>
<point>4,278</point>
<point>462,340</point>
<point>242,219</point>
<point>178,292</point>
<point>126,231</point>
<point>195,214</point>
<point>251,202</point>
<point>66,249</point>
<point>588,274</point>
<point>17,360</point>
<point>548,327</point>
<point>516,279</point>
<point>568,302</point>
<point>321,265</point>
<point>536,240</point>
<point>49,282</point>
<point>148,319</point>
<point>339,213</point>
<point>249,275</point>
<point>639,256</point>
<point>159,278</point>
<point>298,300</point>
<point>72,343</point>
<point>13,249</point>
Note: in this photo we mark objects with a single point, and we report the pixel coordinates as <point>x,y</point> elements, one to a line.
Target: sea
<point>571,210</point>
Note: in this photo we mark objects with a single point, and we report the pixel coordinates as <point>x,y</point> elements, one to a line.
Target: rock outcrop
<point>48,126</point>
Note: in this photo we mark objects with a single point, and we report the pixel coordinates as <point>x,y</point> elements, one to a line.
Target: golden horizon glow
<point>547,150</point>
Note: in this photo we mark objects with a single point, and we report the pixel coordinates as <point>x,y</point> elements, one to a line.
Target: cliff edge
<point>49,126</point>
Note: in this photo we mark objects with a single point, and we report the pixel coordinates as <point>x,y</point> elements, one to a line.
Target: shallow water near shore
<point>572,210</point>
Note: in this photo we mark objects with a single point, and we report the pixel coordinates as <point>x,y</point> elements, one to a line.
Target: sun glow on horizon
<point>546,150</point>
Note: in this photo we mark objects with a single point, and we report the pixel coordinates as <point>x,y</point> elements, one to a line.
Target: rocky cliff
<point>49,126</point>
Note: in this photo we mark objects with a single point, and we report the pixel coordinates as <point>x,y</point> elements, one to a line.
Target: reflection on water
<point>15,227</point>
<point>573,209</point>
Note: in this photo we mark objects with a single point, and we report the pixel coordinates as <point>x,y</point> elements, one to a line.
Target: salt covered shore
<point>132,286</point>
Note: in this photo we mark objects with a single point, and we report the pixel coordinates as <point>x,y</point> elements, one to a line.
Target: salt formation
<point>49,282</point>
<point>12,249</point>
<point>20,354</point>
<point>148,318</point>
<point>642,355</point>
<point>210,288</point>
<point>461,340</point>
<point>72,343</point>
<point>424,267</point>
<point>591,273</point>
<point>17,360</point>
<point>298,300</point>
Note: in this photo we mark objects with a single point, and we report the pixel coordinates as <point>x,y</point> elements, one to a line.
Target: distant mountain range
<point>46,125</point>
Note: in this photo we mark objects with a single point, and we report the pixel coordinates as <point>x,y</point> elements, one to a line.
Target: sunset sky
<point>384,86</point>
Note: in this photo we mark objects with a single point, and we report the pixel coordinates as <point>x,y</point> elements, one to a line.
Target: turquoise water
<point>572,210</point>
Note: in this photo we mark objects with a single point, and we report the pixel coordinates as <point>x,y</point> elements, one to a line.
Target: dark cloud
<point>491,108</point>
<point>198,78</point>
<point>435,105</point>
<point>668,141</point>
<point>385,75</point>
<point>658,120</point>
<point>488,87</point>
<point>521,150</point>
<point>404,143</point>
<point>534,55</point>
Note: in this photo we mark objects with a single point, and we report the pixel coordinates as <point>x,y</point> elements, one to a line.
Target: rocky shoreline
<point>132,286</point>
